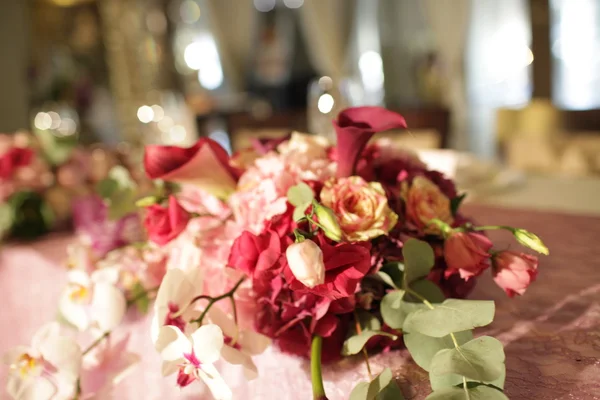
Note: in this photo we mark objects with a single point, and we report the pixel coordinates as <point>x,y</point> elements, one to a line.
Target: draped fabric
<point>449,20</point>
<point>325,30</point>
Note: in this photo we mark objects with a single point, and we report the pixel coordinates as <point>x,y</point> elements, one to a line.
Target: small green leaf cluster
<point>302,197</point>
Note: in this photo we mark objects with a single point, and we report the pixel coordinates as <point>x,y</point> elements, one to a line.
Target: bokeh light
<point>145,114</point>
<point>325,103</point>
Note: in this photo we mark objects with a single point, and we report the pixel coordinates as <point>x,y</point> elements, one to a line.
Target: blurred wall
<point>13,65</point>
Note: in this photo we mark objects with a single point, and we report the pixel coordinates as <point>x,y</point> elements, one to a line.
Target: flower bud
<point>329,222</point>
<point>305,260</point>
<point>530,240</point>
<point>514,272</point>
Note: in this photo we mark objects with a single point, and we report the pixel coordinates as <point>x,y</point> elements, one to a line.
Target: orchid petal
<point>74,313</point>
<point>254,343</point>
<point>237,357</point>
<point>106,275</point>
<point>39,388</point>
<point>175,288</point>
<point>221,319</point>
<point>219,389</point>
<point>172,343</point>
<point>64,354</point>
<point>208,341</point>
<point>79,277</point>
<point>109,306</point>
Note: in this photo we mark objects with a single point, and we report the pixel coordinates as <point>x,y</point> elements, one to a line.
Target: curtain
<point>498,61</point>
<point>325,29</point>
<point>449,20</point>
<point>576,53</point>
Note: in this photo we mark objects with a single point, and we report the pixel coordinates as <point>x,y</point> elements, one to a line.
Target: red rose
<point>205,164</point>
<point>164,224</point>
<point>257,255</point>
<point>467,253</point>
<point>514,272</point>
<point>354,127</point>
<point>14,158</point>
<point>345,266</point>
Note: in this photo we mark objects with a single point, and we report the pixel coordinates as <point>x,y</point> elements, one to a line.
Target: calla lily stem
<point>315,369</point>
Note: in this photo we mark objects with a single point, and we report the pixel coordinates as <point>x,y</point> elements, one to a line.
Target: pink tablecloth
<point>552,334</point>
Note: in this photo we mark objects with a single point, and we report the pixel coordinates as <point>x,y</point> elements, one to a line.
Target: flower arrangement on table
<point>325,251</point>
<point>43,180</point>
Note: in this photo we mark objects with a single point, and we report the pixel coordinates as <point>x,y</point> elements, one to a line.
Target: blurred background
<point>493,91</point>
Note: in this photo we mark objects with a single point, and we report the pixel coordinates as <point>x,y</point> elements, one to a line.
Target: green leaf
<point>106,188</point>
<point>423,348</point>
<point>147,201</point>
<point>391,309</point>
<point>368,321</point>
<point>300,194</point>
<point>427,289</point>
<point>121,204</point>
<point>354,344</point>
<point>370,390</point>
<point>121,175</point>
<point>142,301</point>
<point>480,359</point>
<point>478,393</point>
<point>456,202</point>
<point>7,217</point>
<point>418,259</point>
<point>390,392</point>
<point>300,212</point>
<point>450,316</point>
<point>443,381</point>
<point>394,271</point>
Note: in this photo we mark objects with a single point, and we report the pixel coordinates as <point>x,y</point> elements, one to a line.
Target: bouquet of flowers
<point>325,251</point>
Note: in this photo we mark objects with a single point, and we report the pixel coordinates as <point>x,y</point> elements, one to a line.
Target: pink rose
<point>361,207</point>
<point>467,253</point>
<point>14,158</point>
<point>424,202</point>
<point>205,164</point>
<point>354,127</point>
<point>514,272</point>
<point>164,224</point>
<point>305,260</point>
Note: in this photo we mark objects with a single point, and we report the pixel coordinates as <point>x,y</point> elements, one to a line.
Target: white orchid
<point>48,369</point>
<point>172,305</point>
<point>240,345</point>
<point>93,300</point>
<point>193,356</point>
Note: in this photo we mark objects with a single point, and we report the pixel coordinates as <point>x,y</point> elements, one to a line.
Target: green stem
<point>213,300</point>
<point>466,389</point>
<point>492,227</point>
<point>141,295</point>
<point>315,369</point>
<point>96,343</point>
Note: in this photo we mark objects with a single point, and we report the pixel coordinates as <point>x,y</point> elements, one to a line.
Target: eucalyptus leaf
<point>121,175</point>
<point>423,348</point>
<point>391,309</point>
<point>427,289</point>
<point>121,204</point>
<point>300,194</point>
<point>450,316</point>
<point>480,359</point>
<point>7,217</point>
<point>390,392</point>
<point>478,393</point>
<point>354,344</point>
<point>394,271</point>
<point>368,321</point>
<point>370,390</point>
<point>142,301</point>
<point>106,188</point>
<point>418,259</point>
<point>300,212</point>
<point>443,381</point>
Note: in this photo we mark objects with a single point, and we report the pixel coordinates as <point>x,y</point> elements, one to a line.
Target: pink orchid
<point>354,127</point>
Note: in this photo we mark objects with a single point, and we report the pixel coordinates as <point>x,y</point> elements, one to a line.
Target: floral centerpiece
<point>326,251</point>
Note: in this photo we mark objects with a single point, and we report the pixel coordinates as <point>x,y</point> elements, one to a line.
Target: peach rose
<point>361,207</point>
<point>424,202</point>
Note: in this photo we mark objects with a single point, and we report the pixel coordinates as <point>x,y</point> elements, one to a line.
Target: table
<point>551,335</point>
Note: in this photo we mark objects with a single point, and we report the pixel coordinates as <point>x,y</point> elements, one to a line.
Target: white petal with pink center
<point>172,305</point>
<point>240,345</point>
<point>193,356</point>
<point>93,301</point>
<point>48,369</point>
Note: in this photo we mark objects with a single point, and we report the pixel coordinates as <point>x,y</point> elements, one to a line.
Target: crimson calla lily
<point>354,127</point>
<point>205,164</point>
